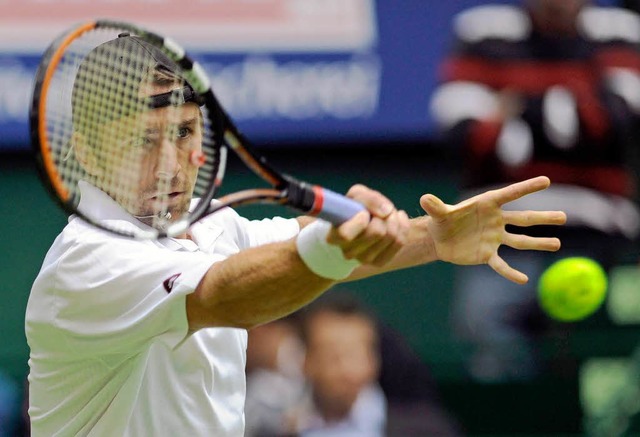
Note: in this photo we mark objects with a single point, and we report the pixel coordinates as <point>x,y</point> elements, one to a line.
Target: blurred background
<point>336,92</point>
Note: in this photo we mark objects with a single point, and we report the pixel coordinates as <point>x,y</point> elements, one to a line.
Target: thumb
<point>433,206</point>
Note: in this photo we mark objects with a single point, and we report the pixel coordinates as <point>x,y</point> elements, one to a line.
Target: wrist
<point>323,259</point>
<point>429,250</point>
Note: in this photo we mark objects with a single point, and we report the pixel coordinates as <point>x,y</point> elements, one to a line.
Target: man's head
<point>555,17</point>
<point>136,126</point>
<point>342,353</point>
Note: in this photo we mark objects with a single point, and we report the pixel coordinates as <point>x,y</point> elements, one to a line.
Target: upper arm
<point>115,298</point>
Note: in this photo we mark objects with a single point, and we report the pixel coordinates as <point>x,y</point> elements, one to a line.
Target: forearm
<point>418,250</point>
<point>267,282</point>
<point>254,287</point>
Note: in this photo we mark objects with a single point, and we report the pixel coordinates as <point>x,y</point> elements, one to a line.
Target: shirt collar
<point>104,208</point>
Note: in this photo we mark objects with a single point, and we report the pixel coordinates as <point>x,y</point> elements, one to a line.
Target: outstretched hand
<point>471,231</point>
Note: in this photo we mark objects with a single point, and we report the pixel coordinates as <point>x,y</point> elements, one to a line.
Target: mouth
<point>167,201</point>
<point>172,195</point>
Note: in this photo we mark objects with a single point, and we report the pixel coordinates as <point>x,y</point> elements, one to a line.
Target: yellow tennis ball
<point>572,288</point>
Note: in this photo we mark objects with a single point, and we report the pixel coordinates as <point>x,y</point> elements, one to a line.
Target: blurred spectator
<point>358,377</point>
<point>9,406</point>
<point>275,383</point>
<point>549,88</point>
<point>342,365</point>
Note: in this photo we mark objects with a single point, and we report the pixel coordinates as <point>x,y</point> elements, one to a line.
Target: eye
<point>144,141</point>
<point>141,142</point>
<point>183,132</point>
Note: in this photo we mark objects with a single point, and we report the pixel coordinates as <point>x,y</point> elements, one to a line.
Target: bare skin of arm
<point>471,232</point>
<point>267,282</point>
<point>254,287</point>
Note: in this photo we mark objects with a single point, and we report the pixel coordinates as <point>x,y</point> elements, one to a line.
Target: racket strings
<point>98,100</point>
<point>100,129</point>
<point>60,126</point>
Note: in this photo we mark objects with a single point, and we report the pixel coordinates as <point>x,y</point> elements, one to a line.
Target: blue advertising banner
<point>288,71</point>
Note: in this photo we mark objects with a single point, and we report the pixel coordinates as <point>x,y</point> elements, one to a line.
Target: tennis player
<point>148,338</point>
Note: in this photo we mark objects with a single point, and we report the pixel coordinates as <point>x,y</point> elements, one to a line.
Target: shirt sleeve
<point>247,233</point>
<point>259,232</point>
<point>114,296</point>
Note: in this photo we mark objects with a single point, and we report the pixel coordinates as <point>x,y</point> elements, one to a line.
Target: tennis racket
<point>127,130</point>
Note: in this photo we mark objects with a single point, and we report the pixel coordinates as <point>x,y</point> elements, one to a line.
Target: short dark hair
<point>108,81</point>
<point>334,302</point>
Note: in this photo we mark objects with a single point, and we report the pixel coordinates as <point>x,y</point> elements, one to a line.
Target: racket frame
<point>303,197</point>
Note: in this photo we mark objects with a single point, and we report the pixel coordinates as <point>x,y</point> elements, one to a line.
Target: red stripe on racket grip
<point>333,207</point>
<point>318,200</point>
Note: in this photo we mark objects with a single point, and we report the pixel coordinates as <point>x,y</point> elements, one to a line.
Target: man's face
<point>147,159</point>
<point>342,359</point>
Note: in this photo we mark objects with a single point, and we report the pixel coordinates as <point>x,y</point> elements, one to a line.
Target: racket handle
<point>333,207</point>
<point>321,202</point>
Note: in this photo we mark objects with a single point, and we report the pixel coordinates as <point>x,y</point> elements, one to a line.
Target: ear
<point>85,155</point>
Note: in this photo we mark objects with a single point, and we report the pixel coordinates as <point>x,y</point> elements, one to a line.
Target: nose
<point>168,164</point>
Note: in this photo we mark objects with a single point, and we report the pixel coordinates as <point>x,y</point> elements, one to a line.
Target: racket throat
<point>318,201</point>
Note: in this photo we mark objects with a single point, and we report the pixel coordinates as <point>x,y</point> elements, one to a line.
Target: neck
<point>331,410</point>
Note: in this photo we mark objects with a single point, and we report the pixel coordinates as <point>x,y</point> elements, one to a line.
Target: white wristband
<point>322,258</point>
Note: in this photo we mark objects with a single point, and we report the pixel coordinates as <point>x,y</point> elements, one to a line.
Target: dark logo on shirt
<point>168,283</point>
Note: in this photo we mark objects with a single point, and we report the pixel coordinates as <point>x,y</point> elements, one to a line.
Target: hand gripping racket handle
<point>333,207</point>
<point>321,202</point>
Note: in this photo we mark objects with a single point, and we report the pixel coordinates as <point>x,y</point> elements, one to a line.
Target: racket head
<point>124,124</point>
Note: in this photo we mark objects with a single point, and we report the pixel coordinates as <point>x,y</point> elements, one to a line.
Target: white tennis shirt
<point>106,323</point>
